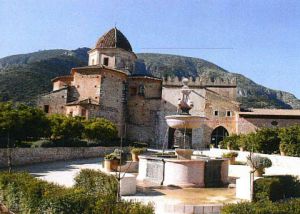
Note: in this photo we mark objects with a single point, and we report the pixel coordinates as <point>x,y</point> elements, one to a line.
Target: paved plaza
<point>63,173</point>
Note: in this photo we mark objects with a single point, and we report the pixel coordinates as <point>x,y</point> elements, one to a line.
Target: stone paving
<point>167,199</point>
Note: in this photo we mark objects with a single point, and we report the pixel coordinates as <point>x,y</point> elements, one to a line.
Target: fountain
<point>184,169</point>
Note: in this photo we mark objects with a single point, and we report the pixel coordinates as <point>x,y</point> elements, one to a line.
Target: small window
<point>62,96</point>
<point>46,108</point>
<point>133,91</point>
<point>216,113</point>
<point>274,123</point>
<point>71,113</point>
<point>105,61</point>
<point>228,113</point>
<point>95,86</point>
<point>83,112</point>
<point>96,98</point>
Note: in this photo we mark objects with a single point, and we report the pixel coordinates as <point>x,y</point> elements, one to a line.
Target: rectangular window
<point>216,113</point>
<point>228,113</point>
<point>83,112</point>
<point>105,61</point>
<point>46,108</point>
<point>133,91</point>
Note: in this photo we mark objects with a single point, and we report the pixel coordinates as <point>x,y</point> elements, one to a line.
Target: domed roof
<point>113,39</point>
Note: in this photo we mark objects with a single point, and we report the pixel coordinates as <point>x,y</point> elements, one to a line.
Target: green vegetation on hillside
<point>23,77</point>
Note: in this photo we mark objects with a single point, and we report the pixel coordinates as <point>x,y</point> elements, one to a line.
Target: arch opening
<point>218,135</point>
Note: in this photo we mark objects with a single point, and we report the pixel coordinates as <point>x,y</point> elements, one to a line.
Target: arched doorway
<point>218,135</point>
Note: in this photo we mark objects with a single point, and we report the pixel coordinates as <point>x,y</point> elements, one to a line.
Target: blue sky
<point>264,35</point>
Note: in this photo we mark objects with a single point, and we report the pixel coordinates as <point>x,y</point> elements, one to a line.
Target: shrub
<point>97,183</point>
<point>43,143</point>
<point>100,129</point>
<point>275,188</point>
<point>231,141</point>
<point>284,207</point>
<point>137,151</point>
<point>259,162</point>
<point>230,154</point>
<point>140,144</point>
<point>94,192</point>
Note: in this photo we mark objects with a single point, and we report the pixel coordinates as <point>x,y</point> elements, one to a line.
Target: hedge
<point>284,207</point>
<point>94,192</point>
<point>279,189</point>
<point>276,188</point>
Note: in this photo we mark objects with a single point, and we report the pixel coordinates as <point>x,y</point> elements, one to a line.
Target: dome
<point>109,40</point>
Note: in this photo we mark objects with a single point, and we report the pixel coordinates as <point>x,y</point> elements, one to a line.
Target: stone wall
<point>24,156</point>
<point>144,100</point>
<point>56,101</point>
<point>247,125</point>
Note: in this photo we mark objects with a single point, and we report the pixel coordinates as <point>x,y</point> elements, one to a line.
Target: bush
<point>140,144</point>
<point>94,192</point>
<point>230,154</point>
<point>137,151</point>
<point>97,183</point>
<point>43,143</point>
<point>276,188</point>
<point>100,129</point>
<point>259,162</point>
<point>59,143</point>
<point>284,207</point>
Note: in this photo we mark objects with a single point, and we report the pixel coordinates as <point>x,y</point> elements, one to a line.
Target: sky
<point>258,39</point>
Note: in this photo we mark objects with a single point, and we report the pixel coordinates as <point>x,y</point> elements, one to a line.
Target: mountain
<point>249,93</point>
<point>24,76</point>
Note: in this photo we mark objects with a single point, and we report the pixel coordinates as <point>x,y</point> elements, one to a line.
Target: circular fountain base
<point>184,173</point>
<point>184,154</point>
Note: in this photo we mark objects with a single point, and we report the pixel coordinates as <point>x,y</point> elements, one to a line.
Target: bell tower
<point>113,50</point>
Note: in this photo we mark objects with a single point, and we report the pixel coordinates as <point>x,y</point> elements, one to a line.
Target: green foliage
<point>66,127</point>
<point>231,141</point>
<point>140,144</point>
<point>259,162</point>
<point>43,143</point>
<point>230,154</point>
<point>111,157</point>
<point>268,141</point>
<point>276,188</point>
<point>291,137</point>
<point>137,151</point>
<point>284,207</point>
<point>23,123</point>
<point>94,192</point>
<point>100,129</point>
<point>97,183</point>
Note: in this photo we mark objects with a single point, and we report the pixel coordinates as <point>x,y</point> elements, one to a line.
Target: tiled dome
<point>108,40</point>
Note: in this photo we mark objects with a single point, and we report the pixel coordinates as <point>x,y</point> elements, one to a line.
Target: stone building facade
<point>109,88</point>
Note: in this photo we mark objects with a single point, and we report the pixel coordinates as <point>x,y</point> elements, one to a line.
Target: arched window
<point>218,135</point>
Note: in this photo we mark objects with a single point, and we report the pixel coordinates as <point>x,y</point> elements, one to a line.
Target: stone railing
<point>24,156</point>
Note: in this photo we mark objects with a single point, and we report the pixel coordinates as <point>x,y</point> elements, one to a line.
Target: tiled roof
<point>109,40</point>
<point>277,112</point>
<point>92,67</point>
<point>62,77</point>
<point>87,101</point>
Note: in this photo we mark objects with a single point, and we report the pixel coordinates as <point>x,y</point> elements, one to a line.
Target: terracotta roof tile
<point>108,40</point>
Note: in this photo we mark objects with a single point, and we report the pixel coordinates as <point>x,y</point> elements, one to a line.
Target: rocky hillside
<point>248,92</point>
<point>23,77</point>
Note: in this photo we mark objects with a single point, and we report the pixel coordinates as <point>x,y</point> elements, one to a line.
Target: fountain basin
<point>184,173</point>
<point>185,121</point>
